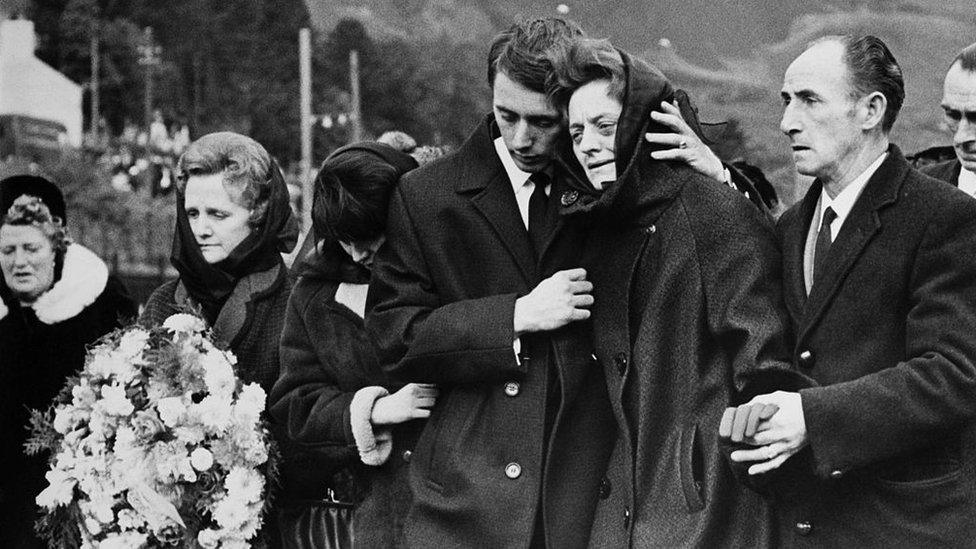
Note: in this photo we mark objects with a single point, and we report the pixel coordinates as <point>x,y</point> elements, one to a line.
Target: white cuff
<point>374,448</point>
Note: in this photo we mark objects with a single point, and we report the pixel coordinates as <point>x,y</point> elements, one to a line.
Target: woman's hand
<point>413,401</point>
<point>687,147</point>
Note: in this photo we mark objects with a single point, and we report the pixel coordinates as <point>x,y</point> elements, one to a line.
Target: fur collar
<point>83,279</point>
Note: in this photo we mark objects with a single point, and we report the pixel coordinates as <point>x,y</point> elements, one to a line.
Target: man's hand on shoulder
<point>558,300</point>
<point>686,146</point>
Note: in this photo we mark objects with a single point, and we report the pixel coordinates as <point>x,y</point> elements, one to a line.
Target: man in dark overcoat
<point>959,107</point>
<point>475,291</point>
<point>879,280</point>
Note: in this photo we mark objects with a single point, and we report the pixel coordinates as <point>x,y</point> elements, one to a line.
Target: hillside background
<point>729,54</point>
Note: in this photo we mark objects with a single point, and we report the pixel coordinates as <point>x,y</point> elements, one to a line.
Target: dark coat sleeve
<point>742,277</point>
<point>307,400</point>
<point>914,403</point>
<point>425,336</point>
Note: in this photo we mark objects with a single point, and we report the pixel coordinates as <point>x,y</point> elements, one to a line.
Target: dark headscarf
<point>329,260</point>
<point>210,285</point>
<point>13,187</point>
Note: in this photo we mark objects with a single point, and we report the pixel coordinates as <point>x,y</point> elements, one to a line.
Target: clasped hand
<point>558,300</point>
<point>773,423</point>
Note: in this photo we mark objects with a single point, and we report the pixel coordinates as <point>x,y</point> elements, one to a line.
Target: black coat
<point>890,332</point>
<point>36,358</point>
<point>442,301</point>
<point>688,305</point>
<point>326,356</point>
<point>947,171</point>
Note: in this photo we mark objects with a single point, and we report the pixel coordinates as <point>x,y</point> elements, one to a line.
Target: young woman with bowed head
<point>56,297</point>
<point>353,429</point>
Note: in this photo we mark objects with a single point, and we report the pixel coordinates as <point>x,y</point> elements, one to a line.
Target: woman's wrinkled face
<point>218,223</point>
<point>363,251</point>
<point>27,261</point>
<point>593,116</point>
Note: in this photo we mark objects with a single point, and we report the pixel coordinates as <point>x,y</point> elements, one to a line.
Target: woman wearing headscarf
<point>233,222</point>
<point>56,297</point>
<point>347,427</point>
<point>687,308</point>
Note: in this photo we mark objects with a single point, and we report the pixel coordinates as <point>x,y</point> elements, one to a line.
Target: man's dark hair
<point>352,191</point>
<point>966,58</point>
<point>872,68</point>
<point>522,51</point>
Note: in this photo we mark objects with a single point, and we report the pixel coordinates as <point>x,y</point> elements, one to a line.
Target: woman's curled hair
<point>28,210</point>
<point>352,193</point>
<point>581,62</point>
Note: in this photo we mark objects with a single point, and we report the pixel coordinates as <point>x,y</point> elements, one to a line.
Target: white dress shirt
<point>967,182</point>
<point>842,204</point>
<point>521,185</point>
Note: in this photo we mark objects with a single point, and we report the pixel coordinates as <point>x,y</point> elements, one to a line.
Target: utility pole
<point>93,83</point>
<point>355,113</point>
<point>305,84</point>
<point>148,58</point>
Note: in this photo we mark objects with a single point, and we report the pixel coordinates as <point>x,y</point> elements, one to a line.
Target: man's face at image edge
<point>530,125</point>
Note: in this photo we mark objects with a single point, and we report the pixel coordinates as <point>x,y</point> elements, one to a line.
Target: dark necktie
<point>539,212</point>
<point>824,239</point>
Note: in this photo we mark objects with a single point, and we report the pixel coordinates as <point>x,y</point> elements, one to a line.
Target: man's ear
<point>873,108</point>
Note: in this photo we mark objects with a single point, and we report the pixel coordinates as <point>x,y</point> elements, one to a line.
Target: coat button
<point>407,454</point>
<point>626,518</point>
<point>803,528</point>
<point>569,198</point>
<point>836,474</point>
<point>513,470</point>
<point>621,362</point>
<point>605,489</point>
<point>512,388</point>
<point>651,230</point>
<point>806,358</point>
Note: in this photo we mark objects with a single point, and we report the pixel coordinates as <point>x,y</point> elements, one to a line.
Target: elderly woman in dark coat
<point>355,428</point>
<point>233,221</point>
<point>687,306</point>
<point>57,297</point>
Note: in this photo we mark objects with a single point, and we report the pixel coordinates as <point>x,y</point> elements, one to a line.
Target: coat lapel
<point>794,241</point>
<point>498,206</point>
<point>485,179</point>
<point>858,229</point>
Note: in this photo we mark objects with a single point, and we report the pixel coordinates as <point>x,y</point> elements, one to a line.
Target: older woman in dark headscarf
<point>56,297</point>
<point>687,308</point>
<point>233,221</point>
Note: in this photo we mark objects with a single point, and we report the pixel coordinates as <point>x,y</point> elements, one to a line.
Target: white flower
<point>218,373</point>
<point>130,520</point>
<point>133,343</point>
<point>244,484</point>
<point>184,323</point>
<point>214,412</point>
<point>114,402</point>
<point>111,366</point>
<point>201,459</point>
<point>82,395</point>
<point>126,540</point>
<point>60,490</point>
<point>171,410</point>
<point>250,404</point>
<point>208,539</point>
<point>230,513</point>
<point>63,419</point>
<point>93,526</point>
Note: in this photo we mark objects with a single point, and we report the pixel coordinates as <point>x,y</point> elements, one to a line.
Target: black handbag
<point>316,523</point>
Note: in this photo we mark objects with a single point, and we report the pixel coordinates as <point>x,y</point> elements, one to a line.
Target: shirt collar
<point>516,176</point>
<point>844,202</point>
<point>967,182</point>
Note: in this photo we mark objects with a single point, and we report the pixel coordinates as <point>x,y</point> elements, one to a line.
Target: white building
<point>30,87</point>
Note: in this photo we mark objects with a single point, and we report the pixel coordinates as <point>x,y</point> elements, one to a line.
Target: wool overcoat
<point>889,332</point>
<point>326,358</point>
<point>688,305</point>
<point>442,302</point>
